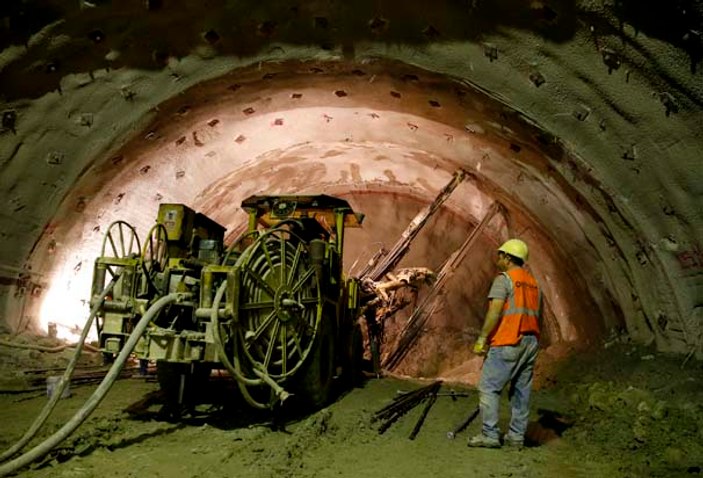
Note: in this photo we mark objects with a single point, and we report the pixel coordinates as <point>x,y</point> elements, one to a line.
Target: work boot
<point>513,444</point>
<point>482,441</point>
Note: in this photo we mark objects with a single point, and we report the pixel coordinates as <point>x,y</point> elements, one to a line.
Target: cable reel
<point>280,304</point>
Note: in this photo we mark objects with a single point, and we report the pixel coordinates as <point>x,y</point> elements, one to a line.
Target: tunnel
<point>388,146</point>
<point>581,119</point>
<point>113,128</point>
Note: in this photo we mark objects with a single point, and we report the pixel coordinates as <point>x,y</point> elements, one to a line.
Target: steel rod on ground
<point>403,404</point>
<point>432,398</point>
<point>463,425</point>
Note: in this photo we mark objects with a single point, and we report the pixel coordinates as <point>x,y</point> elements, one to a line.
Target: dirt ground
<point>621,412</point>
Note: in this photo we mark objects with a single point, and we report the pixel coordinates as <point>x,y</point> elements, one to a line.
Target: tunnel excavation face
<point>386,137</point>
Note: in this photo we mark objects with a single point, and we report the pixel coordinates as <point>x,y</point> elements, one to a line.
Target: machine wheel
<point>314,383</point>
<point>355,357</point>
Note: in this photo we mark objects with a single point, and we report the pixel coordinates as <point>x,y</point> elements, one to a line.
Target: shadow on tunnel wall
<point>679,22</point>
<point>90,35</point>
<point>145,34</point>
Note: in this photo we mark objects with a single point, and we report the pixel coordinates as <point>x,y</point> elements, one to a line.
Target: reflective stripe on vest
<point>520,313</point>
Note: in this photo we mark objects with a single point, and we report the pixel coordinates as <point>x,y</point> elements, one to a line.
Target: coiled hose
<point>235,369</point>
<point>65,379</point>
<point>69,427</point>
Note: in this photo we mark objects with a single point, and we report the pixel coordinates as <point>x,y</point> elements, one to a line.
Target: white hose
<point>47,445</point>
<point>65,379</point>
<point>234,370</point>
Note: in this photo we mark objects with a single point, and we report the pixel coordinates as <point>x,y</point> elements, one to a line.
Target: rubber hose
<point>65,379</point>
<point>42,348</point>
<point>47,445</point>
<point>241,380</point>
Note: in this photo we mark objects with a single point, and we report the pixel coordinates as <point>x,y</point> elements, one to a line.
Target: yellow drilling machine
<point>273,309</point>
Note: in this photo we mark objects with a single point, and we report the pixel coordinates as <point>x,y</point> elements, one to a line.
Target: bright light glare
<point>66,302</point>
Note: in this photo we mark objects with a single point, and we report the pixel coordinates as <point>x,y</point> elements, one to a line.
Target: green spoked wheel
<point>154,257</point>
<point>155,251</point>
<point>120,241</point>
<point>119,256</point>
<point>120,245</point>
<point>280,304</point>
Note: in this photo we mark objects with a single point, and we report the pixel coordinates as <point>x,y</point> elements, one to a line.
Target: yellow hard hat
<point>516,248</point>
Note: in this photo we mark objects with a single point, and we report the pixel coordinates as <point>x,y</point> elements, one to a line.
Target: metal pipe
<point>206,313</point>
<point>117,306</point>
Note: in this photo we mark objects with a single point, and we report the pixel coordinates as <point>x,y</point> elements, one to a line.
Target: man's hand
<point>480,347</point>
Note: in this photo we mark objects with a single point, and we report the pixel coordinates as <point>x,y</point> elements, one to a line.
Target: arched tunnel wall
<point>594,173</point>
<point>286,135</point>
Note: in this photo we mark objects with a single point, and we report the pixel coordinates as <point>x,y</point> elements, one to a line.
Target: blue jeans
<point>514,364</point>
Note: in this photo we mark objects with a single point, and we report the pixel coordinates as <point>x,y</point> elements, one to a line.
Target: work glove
<point>480,347</point>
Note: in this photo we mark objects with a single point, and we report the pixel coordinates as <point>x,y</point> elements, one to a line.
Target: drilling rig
<point>273,309</point>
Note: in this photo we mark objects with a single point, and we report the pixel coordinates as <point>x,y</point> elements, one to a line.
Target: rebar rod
<point>391,413</point>
<point>426,410</point>
<point>388,261</point>
<point>420,316</point>
<point>463,425</point>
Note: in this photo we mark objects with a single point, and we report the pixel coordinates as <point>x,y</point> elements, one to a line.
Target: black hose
<point>47,445</point>
<point>65,379</point>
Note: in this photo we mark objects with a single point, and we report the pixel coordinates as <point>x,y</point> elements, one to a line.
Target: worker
<point>509,340</point>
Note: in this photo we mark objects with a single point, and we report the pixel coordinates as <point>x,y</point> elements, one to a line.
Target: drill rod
<point>463,425</point>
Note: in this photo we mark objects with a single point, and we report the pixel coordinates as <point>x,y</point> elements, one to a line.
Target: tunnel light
<point>66,303</point>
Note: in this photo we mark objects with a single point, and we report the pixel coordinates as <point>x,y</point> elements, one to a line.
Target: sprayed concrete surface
<point>616,412</point>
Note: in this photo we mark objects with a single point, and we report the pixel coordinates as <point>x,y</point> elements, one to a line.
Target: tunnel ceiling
<point>583,118</point>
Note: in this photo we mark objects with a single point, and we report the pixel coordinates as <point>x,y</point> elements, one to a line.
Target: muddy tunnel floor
<point>624,411</point>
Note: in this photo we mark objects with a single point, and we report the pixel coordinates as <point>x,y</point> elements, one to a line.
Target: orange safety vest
<point>520,315</point>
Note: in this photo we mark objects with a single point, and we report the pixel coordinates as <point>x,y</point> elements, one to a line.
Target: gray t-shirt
<point>500,289</point>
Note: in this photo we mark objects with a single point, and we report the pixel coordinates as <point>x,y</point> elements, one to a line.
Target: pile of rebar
<point>402,404</point>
